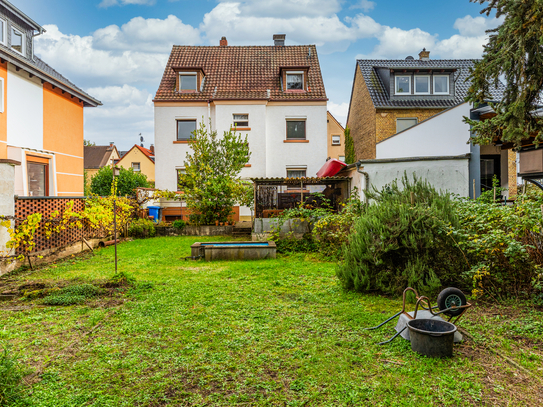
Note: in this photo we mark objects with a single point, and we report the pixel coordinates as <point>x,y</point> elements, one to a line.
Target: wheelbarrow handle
<point>382,323</point>
<point>394,337</point>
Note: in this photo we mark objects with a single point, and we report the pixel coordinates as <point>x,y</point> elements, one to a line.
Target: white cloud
<point>339,111</point>
<point>109,3</point>
<point>147,35</point>
<point>126,112</point>
<point>365,5</point>
<point>229,19</point>
<point>288,8</point>
<point>469,26</point>
<point>398,43</point>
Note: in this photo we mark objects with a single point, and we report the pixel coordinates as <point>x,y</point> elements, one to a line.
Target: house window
<point>17,40</point>
<point>295,129</point>
<point>403,85</point>
<point>336,140</point>
<point>185,129</point>
<point>296,173</point>
<point>441,84</point>
<point>1,95</point>
<point>240,120</point>
<point>295,80</point>
<point>188,82</point>
<point>342,158</point>
<point>180,173</point>
<point>2,31</point>
<point>405,123</point>
<point>422,85</point>
<point>38,176</point>
<point>136,167</point>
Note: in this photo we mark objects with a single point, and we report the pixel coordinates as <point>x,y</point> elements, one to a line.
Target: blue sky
<point>117,49</point>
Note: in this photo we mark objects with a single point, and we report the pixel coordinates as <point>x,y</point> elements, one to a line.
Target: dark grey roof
<point>45,72</point>
<point>380,97</point>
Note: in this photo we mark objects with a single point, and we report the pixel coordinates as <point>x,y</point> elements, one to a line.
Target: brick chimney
<point>152,148</point>
<point>224,42</point>
<point>424,55</point>
<point>279,39</point>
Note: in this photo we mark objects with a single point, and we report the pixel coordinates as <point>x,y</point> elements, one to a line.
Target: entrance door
<point>490,167</point>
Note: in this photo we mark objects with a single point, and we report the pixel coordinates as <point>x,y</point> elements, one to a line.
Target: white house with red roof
<point>273,94</point>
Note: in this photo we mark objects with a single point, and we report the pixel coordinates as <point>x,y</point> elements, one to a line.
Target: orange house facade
<point>41,114</point>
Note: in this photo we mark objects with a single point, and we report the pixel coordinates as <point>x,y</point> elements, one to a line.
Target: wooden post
<point>524,187</point>
<point>412,198</point>
<point>494,194</point>
<point>302,193</point>
<point>254,196</point>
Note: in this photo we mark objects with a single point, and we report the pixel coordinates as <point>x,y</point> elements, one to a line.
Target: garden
<point>165,331</point>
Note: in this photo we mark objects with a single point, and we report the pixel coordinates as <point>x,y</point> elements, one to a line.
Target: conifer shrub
<point>402,240</point>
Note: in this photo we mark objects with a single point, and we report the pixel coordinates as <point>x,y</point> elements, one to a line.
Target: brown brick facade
<point>385,119</point>
<point>361,119</point>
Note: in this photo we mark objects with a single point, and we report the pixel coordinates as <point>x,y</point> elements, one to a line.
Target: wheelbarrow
<point>451,303</point>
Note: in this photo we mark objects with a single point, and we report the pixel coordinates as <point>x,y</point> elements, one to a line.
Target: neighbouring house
<point>273,94</point>
<point>97,157</point>
<point>41,115</point>
<point>336,138</point>
<point>140,159</point>
<point>406,116</point>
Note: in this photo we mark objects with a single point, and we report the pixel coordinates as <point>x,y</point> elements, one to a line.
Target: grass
<point>273,332</point>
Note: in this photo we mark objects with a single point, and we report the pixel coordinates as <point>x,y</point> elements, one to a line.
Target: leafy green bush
<point>402,240</point>
<point>11,391</point>
<point>179,224</point>
<point>72,295</point>
<point>127,182</point>
<point>121,279</point>
<point>142,228</point>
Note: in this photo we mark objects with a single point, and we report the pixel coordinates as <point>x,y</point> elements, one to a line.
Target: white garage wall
<point>442,135</point>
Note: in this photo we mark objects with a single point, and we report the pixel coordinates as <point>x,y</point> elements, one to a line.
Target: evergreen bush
<point>402,240</point>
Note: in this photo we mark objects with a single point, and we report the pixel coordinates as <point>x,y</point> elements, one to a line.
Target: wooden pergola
<point>274,195</point>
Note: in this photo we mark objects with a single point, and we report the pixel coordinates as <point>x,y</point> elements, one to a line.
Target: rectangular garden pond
<point>234,250</point>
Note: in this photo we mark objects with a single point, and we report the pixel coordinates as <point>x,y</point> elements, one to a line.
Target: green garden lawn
<point>272,333</point>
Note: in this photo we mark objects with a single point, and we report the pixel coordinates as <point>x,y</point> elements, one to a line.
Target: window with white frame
<point>441,84</point>
<point>240,120</point>
<point>296,172</point>
<point>336,140</point>
<point>403,84</point>
<point>422,85</point>
<point>185,128</point>
<point>136,167</point>
<point>188,82</point>
<point>17,40</point>
<point>3,33</point>
<point>1,95</point>
<point>403,123</point>
<point>295,80</point>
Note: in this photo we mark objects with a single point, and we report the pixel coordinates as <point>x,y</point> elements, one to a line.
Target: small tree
<point>127,182</point>
<point>211,184</point>
<point>350,156</point>
<point>514,52</point>
<point>89,143</point>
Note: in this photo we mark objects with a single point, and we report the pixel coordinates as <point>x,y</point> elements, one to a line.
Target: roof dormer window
<point>403,85</point>
<point>295,80</point>
<point>441,84</point>
<point>188,81</point>
<point>422,85</point>
<point>17,40</point>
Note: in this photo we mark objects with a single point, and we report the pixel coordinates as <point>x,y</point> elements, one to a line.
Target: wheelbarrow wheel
<point>449,297</point>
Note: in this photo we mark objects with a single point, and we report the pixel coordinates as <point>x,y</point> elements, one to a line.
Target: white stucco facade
<point>25,118</point>
<point>270,154</point>
<point>445,134</point>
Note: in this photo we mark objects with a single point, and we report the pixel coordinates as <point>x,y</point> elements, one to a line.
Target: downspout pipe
<point>366,182</point>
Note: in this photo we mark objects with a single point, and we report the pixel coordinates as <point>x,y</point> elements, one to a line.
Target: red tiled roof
<point>233,72</point>
<point>148,153</point>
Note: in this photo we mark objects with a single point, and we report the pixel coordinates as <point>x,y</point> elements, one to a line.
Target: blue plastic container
<point>154,211</point>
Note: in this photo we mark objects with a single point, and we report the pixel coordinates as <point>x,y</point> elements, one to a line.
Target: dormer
<point>189,79</point>
<point>294,79</point>
<point>17,31</point>
<point>421,83</point>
